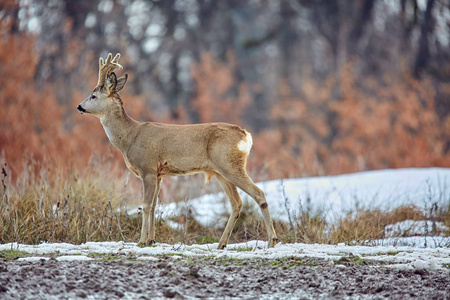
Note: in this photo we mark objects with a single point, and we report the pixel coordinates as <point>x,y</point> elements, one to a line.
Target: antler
<point>108,67</point>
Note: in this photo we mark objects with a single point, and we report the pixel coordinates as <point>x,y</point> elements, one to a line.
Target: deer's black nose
<point>81,109</point>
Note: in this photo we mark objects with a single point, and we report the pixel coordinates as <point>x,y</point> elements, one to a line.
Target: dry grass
<point>365,225</point>
<point>92,205</point>
<point>76,207</point>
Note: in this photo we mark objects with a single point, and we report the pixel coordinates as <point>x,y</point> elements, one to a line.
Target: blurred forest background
<point>326,87</point>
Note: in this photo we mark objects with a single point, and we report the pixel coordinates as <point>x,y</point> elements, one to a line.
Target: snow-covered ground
<point>394,256</point>
<point>330,196</point>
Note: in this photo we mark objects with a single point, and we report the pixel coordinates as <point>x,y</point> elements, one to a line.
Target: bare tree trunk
<point>427,28</point>
<point>359,25</point>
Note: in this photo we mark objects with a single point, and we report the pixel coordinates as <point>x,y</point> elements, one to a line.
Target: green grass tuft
<point>243,249</point>
<point>12,254</point>
<point>206,240</point>
<point>352,260</point>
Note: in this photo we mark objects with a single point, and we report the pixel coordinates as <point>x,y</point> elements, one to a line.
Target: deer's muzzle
<point>81,109</point>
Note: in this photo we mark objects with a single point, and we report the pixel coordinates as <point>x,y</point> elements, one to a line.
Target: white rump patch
<point>246,144</point>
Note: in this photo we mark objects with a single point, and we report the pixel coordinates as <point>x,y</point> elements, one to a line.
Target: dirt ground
<point>187,278</point>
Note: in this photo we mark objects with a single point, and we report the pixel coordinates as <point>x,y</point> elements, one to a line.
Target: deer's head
<point>105,95</point>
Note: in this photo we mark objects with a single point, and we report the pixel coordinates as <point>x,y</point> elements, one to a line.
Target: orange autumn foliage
<point>214,101</point>
<point>372,124</point>
<point>32,122</point>
<point>25,124</point>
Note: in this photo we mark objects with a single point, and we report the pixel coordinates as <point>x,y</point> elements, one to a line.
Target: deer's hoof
<point>145,244</point>
<point>273,242</point>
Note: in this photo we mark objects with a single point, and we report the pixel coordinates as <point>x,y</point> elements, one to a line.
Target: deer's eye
<point>93,97</point>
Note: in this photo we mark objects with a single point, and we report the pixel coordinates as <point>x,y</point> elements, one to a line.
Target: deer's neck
<point>120,128</point>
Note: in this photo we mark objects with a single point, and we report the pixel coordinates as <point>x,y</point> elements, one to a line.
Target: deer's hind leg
<point>238,177</point>
<point>236,205</point>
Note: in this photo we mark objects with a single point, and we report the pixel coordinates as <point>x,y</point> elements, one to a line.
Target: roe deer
<point>154,150</point>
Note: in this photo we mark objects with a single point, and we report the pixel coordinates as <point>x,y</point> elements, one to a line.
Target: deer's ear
<point>121,82</point>
<point>111,82</point>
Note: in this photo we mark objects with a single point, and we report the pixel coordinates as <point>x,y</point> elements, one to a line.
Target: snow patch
<point>73,258</point>
<point>148,258</point>
<point>411,257</point>
<point>33,258</point>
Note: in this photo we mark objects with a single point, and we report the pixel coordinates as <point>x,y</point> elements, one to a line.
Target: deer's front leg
<point>151,190</point>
